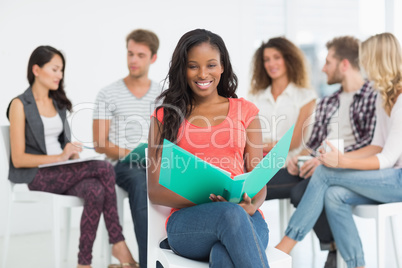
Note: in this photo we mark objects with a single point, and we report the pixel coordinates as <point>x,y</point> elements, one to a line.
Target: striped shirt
<point>129,115</point>
<point>361,115</point>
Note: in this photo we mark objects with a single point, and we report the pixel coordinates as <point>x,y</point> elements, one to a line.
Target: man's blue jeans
<point>221,233</point>
<point>132,178</point>
<point>338,189</point>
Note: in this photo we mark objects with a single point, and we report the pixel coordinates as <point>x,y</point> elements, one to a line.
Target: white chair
<point>56,202</point>
<point>380,213</point>
<point>157,216</point>
<point>121,195</point>
<point>286,210</point>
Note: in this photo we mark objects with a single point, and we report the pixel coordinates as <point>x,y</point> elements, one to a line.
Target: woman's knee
<point>321,174</point>
<point>335,196</point>
<point>107,166</point>
<point>105,169</point>
<point>233,214</point>
<point>94,192</point>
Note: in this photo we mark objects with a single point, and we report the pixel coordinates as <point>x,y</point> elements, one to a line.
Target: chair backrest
<point>5,150</point>
<point>157,216</point>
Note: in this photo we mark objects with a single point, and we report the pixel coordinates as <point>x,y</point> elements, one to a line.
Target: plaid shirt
<point>361,114</point>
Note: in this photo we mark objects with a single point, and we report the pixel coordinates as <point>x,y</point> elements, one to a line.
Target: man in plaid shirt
<point>347,114</point>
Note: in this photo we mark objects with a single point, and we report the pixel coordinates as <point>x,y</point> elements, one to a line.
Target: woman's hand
<point>308,168</point>
<point>217,198</point>
<point>246,203</point>
<point>71,151</point>
<point>292,167</point>
<point>333,158</point>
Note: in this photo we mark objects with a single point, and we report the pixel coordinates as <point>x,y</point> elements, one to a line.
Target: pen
<point>87,147</point>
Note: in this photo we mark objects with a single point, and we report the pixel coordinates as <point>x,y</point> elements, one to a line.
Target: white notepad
<point>96,157</point>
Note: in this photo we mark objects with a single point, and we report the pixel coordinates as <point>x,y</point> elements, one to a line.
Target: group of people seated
<point>198,109</point>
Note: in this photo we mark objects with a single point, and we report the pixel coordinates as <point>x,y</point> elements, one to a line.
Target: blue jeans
<point>221,233</point>
<point>338,189</point>
<point>285,185</point>
<point>132,178</point>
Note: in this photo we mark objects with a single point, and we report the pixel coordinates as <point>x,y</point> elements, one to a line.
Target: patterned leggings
<point>94,182</point>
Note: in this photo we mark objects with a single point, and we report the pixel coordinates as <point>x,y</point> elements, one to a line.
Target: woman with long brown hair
<point>40,134</point>
<point>280,88</point>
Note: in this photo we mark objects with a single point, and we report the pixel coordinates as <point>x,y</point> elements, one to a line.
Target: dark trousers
<point>284,185</point>
<point>132,178</point>
<point>94,182</point>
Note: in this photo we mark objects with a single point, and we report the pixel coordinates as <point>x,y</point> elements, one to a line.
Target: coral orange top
<point>221,145</point>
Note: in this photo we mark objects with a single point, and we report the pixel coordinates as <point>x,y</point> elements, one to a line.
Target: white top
<point>129,115</point>
<point>53,127</point>
<point>278,116</point>
<point>388,133</point>
<point>339,127</point>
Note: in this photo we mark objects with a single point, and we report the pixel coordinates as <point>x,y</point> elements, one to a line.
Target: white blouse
<point>388,133</point>
<point>278,116</point>
<point>53,127</point>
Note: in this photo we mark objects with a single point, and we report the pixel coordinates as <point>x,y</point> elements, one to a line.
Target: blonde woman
<point>371,174</point>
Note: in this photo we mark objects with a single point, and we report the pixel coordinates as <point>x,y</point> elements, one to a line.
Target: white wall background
<point>91,33</point>
<point>92,36</point>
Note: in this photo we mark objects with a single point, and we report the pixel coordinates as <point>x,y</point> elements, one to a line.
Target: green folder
<point>195,179</point>
<point>137,155</point>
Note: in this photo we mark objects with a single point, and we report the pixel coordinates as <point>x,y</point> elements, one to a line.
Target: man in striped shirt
<point>121,121</point>
<point>347,114</point>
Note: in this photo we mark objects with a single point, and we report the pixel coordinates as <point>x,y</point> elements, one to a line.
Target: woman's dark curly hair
<point>177,99</point>
<point>295,63</point>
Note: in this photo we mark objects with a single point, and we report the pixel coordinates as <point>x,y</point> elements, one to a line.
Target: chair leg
<point>66,239</point>
<point>56,233</point>
<point>283,216</point>
<point>7,232</point>
<point>313,249</point>
<point>340,263</point>
<point>393,234</point>
<point>380,241</point>
<point>289,211</point>
<point>120,204</point>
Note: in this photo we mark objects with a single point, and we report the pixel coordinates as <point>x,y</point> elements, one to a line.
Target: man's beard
<point>336,78</point>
